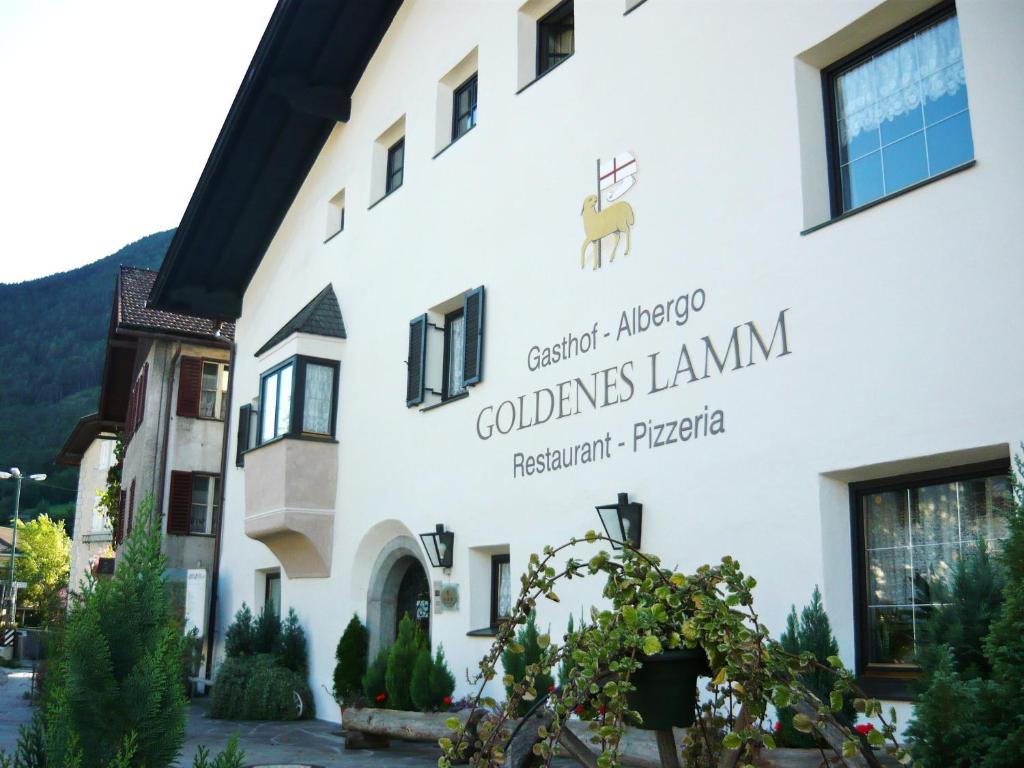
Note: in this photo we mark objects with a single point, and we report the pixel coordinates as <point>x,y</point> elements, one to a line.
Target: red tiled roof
<point>134,312</point>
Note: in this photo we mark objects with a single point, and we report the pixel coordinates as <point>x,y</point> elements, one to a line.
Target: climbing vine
<point>108,500</point>
<point>651,609</point>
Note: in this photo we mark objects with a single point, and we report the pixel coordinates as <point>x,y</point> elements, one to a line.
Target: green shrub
<point>442,681</point>
<point>432,681</point>
<point>291,650</point>
<point>401,660</point>
<point>230,757</point>
<point>942,727</point>
<point>266,632</point>
<point>811,634</point>
<point>118,668</point>
<point>419,687</point>
<point>375,680</point>
<point>271,692</point>
<point>238,638</point>
<point>259,688</point>
<point>515,664</point>
<point>351,657</point>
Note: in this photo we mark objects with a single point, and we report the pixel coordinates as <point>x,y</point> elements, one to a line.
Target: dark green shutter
<point>416,361</point>
<point>243,435</point>
<point>473,360</point>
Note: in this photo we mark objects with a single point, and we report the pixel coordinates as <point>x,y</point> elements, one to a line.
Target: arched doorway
<point>398,585</point>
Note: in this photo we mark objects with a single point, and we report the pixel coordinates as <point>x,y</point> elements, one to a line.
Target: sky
<point>108,112</point>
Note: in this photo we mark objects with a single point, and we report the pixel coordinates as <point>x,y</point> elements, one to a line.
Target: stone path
<point>15,708</point>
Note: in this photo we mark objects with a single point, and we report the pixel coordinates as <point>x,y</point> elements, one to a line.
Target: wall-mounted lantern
<point>622,520</point>
<point>440,546</point>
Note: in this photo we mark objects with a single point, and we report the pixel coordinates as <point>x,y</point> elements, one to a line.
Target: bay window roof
<point>322,316</point>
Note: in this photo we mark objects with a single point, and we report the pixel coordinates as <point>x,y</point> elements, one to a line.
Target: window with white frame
<point>213,391</point>
<point>205,496</point>
<point>335,215</point>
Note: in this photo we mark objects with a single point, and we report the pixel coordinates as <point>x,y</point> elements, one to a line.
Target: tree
<point>116,674</point>
<point>351,657</point>
<point>44,565</point>
<point>516,661</point>
<point>401,661</point>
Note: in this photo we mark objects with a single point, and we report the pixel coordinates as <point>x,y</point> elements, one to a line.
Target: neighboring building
<point>165,385</point>
<point>91,448</point>
<point>797,354</point>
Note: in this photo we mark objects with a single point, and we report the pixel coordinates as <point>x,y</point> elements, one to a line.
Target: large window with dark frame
<point>897,111</point>
<point>912,532</point>
<point>464,108</point>
<point>205,503</point>
<point>501,589</point>
<point>396,166</point>
<point>556,37</point>
<point>297,398</point>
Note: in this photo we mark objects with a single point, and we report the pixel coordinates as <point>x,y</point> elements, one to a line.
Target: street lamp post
<point>15,473</point>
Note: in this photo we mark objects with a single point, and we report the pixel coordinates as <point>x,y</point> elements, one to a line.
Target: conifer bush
<point>117,671</point>
<point>375,680</point>
<point>432,682</point>
<point>291,651</point>
<point>266,632</point>
<point>419,686</point>
<point>238,638</point>
<point>812,633</point>
<point>351,653</point>
<point>401,661</point>
<point>525,652</point>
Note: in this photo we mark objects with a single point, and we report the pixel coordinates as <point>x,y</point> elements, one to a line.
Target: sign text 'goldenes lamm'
<point>695,359</point>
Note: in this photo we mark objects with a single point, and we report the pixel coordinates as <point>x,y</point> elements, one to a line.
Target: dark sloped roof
<point>77,443</point>
<point>297,88</point>
<point>321,316</point>
<point>135,313</point>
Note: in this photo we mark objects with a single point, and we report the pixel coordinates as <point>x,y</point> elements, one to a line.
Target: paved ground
<point>14,706</point>
<point>313,742</point>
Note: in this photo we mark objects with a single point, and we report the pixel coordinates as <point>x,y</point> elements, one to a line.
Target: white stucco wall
<point>899,319</point>
<point>92,531</point>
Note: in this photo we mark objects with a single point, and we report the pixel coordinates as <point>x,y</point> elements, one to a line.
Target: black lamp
<point>440,546</point>
<point>622,521</point>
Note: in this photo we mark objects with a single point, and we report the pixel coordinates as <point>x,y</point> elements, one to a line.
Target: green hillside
<point>52,333</point>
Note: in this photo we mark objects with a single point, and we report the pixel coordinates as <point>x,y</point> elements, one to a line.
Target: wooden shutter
<point>416,361</point>
<point>179,503</point>
<point>244,414</point>
<point>119,530</point>
<point>140,407</point>
<point>189,383</point>
<point>473,359</point>
<point>131,507</point>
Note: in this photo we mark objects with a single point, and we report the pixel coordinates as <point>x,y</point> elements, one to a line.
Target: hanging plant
<point>655,616</point>
<point>108,500</point>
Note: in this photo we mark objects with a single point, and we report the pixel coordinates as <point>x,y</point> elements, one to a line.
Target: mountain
<point>52,335</point>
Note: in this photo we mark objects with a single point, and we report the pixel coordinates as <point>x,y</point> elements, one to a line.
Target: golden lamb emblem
<point>615,177</point>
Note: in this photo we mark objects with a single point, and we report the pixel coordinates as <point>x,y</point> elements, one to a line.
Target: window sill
<point>334,235</point>
<point>452,142</point>
<point>279,438</point>
<point>545,73</point>
<point>208,418</point>
<point>887,198</point>
<point>485,632</point>
<point>202,535</point>
<point>380,200</point>
<point>97,536</point>
<point>462,396</point>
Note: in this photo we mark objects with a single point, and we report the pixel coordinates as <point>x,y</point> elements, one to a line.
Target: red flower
<point>601,710</point>
<point>447,700</point>
<point>551,689</point>
<point>580,709</point>
<point>381,697</point>
<point>777,727</point>
<point>864,728</point>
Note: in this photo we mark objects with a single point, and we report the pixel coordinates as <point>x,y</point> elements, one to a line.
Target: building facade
<point>755,265</point>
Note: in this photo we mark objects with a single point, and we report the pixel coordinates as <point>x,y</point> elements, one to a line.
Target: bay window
<point>297,398</point>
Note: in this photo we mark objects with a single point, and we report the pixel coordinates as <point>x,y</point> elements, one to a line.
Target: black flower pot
<point>666,688</point>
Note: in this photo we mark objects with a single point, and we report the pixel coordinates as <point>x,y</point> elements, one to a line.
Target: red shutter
<point>188,386</point>
<point>131,507</point>
<point>141,406</point>
<point>119,530</point>
<point>179,503</point>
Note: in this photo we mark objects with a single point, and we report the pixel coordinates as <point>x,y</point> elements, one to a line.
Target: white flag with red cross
<point>616,175</point>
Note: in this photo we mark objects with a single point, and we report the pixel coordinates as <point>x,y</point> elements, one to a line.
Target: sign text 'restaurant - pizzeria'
<point>735,347</point>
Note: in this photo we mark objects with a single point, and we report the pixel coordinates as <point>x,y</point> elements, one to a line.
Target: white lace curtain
<point>927,66</point>
<point>316,410</point>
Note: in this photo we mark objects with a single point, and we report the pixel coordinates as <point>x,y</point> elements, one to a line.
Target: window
<point>272,594</point>
<point>298,397</point>
<point>213,393</point>
<point>897,111</point>
<point>555,37</point>
<point>443,364</point>
<point>205,495</point>
<point>912,531</point>
<point>501,589</point>
<point>464,108</point>
<point>454,354</point>
<point>335,215</point>
<point>396,166</point>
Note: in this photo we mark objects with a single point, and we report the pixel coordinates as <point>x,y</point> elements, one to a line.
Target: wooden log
<point>415,726</point>
<point>519,752</point>
<point>835,735</point>
<point>668,753</point>
<point>360,740</point>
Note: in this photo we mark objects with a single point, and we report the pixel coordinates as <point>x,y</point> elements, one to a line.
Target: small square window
<point>556,37</point>
<point>396,166</point>
<point>335,215</point>
<point>897,111</point>
<point>213,391</point>
<point>501,589</point>
<point>464,108</point>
